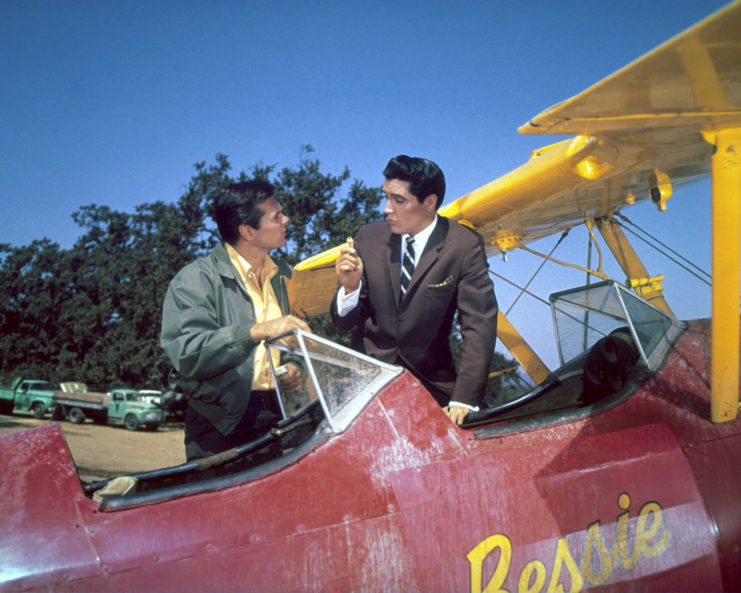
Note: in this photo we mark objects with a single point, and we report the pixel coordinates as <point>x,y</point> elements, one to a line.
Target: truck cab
<point>127,406</point>
<point>27,395</point>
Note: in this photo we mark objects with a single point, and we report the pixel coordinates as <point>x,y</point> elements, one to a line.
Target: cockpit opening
<point>338,384</point>
<point>609,341</point>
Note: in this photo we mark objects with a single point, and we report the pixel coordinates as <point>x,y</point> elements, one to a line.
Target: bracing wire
<point>540,267</point>
<point>703,276</point>
<point>542,300</point>
<point>520,288</point>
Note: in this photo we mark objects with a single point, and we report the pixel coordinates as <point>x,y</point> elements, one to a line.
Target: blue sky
<point>112,103</point>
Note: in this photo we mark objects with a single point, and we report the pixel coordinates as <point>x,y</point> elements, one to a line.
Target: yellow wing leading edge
<point>663,121</point>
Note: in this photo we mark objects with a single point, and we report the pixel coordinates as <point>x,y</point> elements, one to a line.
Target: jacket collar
<point>437,238</point>
<point>223,262</point>
<point>432,250</point>
<point>225,269</point>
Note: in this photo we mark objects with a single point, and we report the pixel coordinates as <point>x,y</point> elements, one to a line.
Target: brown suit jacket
<point>451,277</point>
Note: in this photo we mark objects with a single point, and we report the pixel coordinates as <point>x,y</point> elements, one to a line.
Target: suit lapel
<point>392,255</point>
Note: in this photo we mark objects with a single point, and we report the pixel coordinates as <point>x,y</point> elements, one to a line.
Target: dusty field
<point>101,451</point>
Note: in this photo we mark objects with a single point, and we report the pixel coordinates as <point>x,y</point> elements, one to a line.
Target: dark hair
<point>237,204</point>
<point>424,176</point>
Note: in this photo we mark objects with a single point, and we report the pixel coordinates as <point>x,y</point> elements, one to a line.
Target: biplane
<point>618,470</point>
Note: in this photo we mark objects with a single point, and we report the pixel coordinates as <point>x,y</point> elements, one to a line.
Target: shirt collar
<point>421,238</point>
<point>244,268</point>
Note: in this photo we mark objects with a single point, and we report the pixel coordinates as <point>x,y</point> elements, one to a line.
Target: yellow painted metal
<point>653,281</point>
<point>521,350</point>
<point>631,264</point>
<point>726,217</point>
<point>320,260</point>
<point>640,134</point>
<point>660,189</point>
<point>503,371</point>
<point>506,242</point>
<point>691,80</point>
<point>313,283</point>
<point>529,195</point>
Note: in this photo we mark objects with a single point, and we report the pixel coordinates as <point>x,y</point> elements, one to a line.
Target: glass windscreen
<point>343,380</point>
<point>582,316</point>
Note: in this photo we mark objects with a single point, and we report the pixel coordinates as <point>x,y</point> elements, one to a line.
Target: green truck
<point>75,403</point>
<point>27,395</point>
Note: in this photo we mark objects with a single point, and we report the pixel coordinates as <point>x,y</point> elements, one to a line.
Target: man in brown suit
<point>402,296</point>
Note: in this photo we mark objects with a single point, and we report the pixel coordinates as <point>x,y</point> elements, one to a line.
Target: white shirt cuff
<point>471,408</point>
<point>347,302</point>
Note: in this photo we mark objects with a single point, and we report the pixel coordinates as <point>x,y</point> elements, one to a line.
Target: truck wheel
<point>6,407</point>
<point>38,410</point>
<point>76,416</point>
<point>132,422</point>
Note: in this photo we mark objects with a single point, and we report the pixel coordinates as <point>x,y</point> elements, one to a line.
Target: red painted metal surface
<point>717,465</point>
<point>532,498</point>
<point>43,533</point>
<point>405,501</point>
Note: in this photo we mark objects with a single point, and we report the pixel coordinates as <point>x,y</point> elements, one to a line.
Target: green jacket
<point>206,321</point>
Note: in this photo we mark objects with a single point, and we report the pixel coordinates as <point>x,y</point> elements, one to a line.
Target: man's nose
<point>387,207</point>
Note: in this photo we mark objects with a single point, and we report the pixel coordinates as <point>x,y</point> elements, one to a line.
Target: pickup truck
<point>75,403</point>
<point>27,395</point>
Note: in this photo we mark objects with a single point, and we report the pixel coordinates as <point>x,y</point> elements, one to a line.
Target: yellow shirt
<point>266,306</point>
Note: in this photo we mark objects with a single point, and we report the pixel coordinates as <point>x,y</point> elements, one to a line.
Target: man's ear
<point>430,203</point>
<point>246,231</point>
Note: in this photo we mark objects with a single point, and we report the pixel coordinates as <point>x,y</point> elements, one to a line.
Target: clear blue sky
<point>112,103</point>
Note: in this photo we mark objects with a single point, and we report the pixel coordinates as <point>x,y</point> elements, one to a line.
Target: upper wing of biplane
<point>640,133</point>
<point>663,121</point>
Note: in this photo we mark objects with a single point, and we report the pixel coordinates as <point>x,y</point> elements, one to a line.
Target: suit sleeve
<point>350,320</point>
<point>477,315</point>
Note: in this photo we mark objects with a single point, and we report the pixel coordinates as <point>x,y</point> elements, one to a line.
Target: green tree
<point>92,313</point>
<point>121,267</point>
<point>33,287</point>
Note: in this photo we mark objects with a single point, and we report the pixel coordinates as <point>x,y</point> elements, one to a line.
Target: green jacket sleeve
<point>193,334</point>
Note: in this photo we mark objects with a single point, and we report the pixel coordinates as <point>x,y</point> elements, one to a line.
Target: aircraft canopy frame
<point>342,379</point>
<point>583,315</point>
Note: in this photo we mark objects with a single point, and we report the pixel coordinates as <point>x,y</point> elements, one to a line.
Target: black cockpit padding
<point>608,364</point>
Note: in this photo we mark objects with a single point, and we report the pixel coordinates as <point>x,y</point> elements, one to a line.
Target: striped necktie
<point>407,267</point>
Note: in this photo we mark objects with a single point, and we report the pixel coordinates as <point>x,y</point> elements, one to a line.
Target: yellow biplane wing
<point>313,283</point>
<point>663,121</point>
<point>643,131</point>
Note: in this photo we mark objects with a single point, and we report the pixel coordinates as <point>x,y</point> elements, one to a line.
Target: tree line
<point>92,313</point>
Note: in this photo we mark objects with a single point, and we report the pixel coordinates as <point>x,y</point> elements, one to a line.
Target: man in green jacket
<point>218,311</point>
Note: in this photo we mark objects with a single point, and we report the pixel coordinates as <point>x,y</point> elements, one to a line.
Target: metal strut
<point>726,231</point>
<point>631,263</point>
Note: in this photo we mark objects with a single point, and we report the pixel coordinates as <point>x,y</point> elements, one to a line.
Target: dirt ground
<point>102,451</point>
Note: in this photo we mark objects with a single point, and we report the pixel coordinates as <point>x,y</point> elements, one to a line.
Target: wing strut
<point>630,262</point>
<point>521,350</point>
<point>726,230</point>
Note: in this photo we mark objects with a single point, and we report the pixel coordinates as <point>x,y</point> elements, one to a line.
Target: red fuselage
<point>641,496</point>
